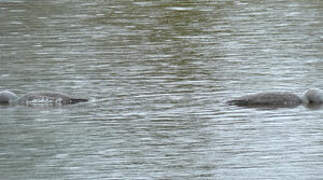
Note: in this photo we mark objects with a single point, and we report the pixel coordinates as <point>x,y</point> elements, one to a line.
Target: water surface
<point>157,75</point>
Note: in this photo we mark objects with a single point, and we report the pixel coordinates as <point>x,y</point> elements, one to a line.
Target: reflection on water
<point>157,74</point>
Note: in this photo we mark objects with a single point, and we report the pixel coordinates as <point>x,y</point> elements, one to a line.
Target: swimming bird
<point>8,97</point>
<point>279,99</point>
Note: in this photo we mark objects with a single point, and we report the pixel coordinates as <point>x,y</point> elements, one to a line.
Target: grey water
<point>157,74</point>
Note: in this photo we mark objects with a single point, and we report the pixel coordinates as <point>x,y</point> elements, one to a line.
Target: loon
<point>280,99</point>
<point>8,97</point>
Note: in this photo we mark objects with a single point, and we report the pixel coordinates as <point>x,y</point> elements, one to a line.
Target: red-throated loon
<point>279,99</point>
<point>8,97</point>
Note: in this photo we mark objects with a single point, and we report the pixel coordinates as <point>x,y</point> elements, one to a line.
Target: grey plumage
<point>268,99</point>
<point>279,99</point>
<point>7,97</point>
